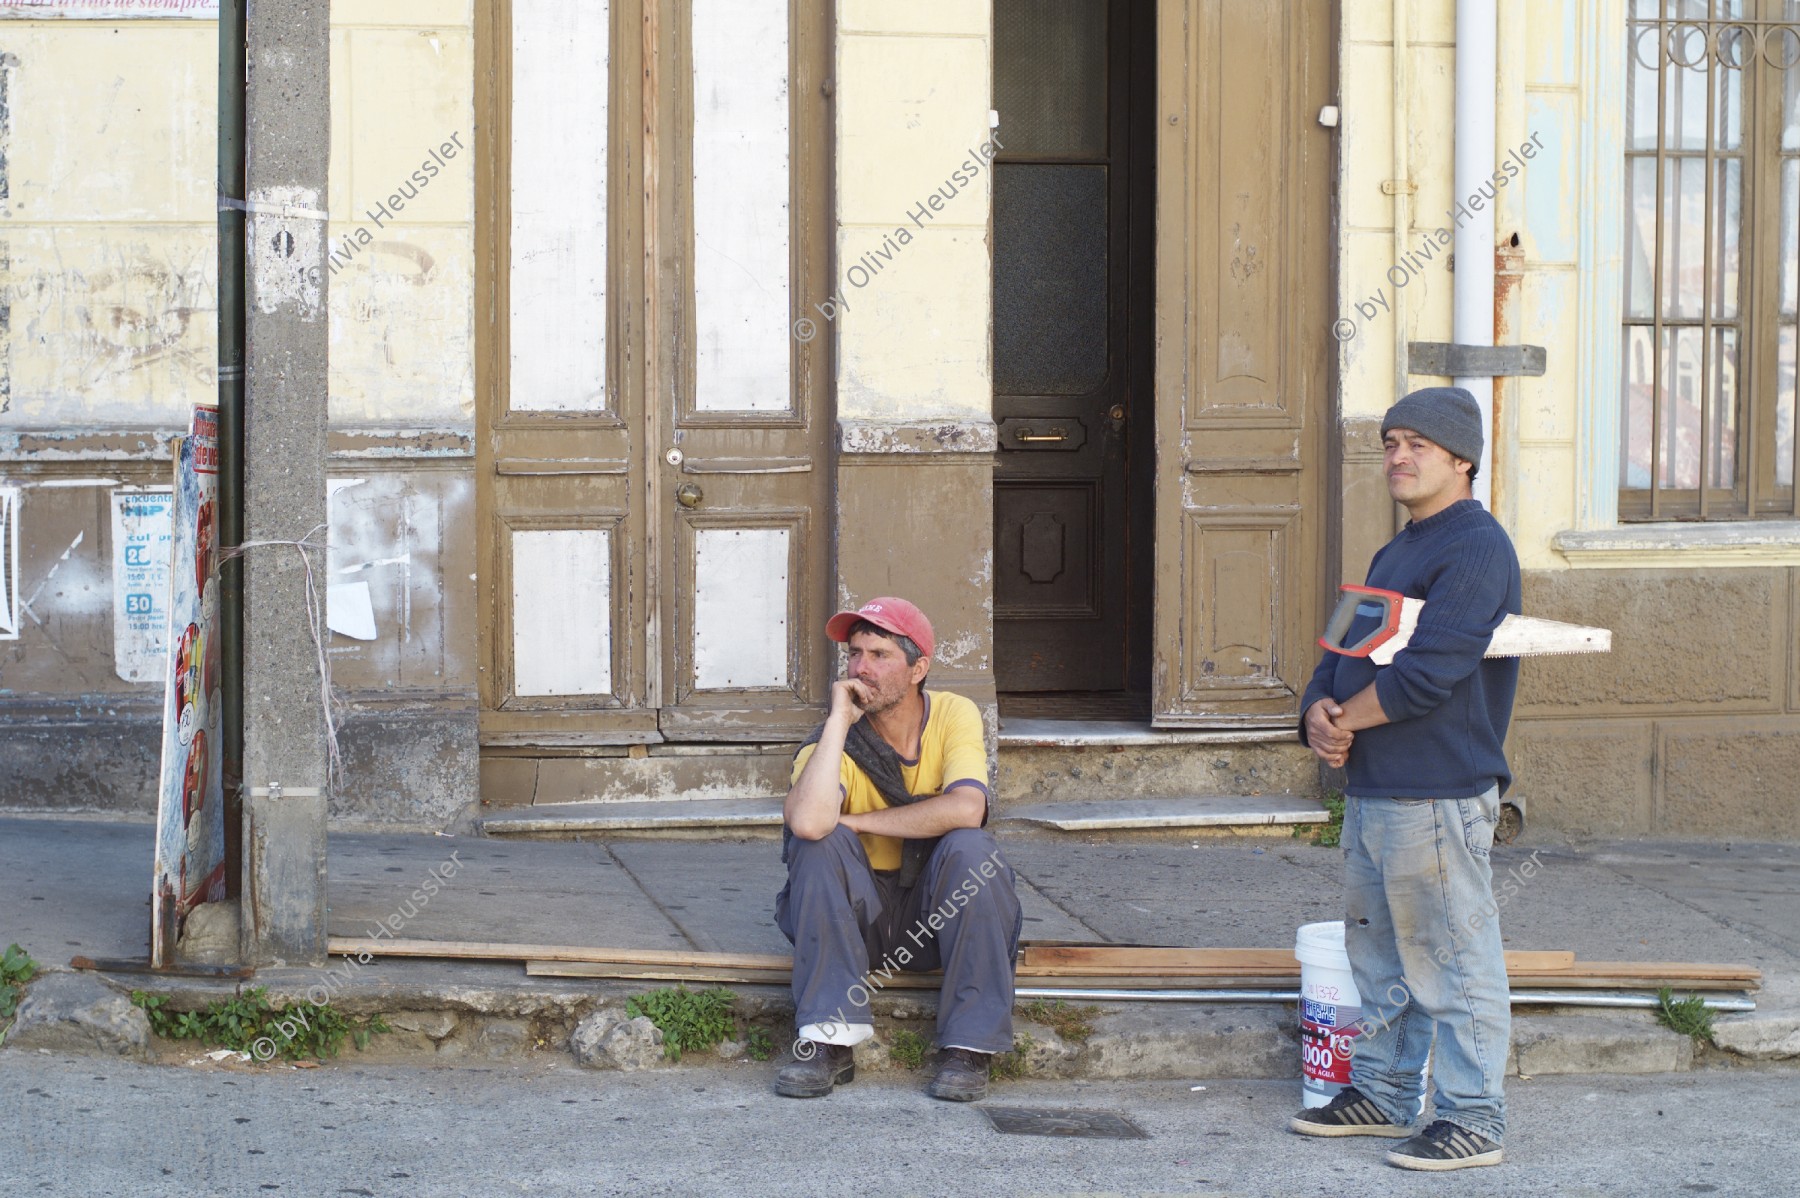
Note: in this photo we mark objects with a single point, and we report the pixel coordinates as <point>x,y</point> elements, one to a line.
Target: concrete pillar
<point>286,775</point>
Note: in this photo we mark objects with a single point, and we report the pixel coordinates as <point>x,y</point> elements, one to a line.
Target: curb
<point>480,1014</point>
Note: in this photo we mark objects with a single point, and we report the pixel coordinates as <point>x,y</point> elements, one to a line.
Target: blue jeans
<point>1423,933</point>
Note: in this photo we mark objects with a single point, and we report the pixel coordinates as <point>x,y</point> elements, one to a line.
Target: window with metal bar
<point>1712,192</point>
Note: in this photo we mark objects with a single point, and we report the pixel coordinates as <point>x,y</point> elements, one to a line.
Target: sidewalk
<point>72,887</point>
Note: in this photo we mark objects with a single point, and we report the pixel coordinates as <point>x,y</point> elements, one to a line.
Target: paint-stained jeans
<point>1423,933</point>
<point>853,928</point>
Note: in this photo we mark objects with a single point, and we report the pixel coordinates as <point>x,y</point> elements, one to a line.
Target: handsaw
<point>1394,617</point>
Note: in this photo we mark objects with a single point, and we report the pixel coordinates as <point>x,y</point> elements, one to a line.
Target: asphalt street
<point>88,1126</point>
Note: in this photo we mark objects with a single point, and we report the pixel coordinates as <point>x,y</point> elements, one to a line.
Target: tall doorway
<point>1074,194</point>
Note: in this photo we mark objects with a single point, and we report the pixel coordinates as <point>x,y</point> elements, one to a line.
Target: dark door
<point>1071,251</point>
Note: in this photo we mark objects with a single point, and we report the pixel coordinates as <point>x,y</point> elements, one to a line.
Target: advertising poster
<point>190,816</point>
<point>142,533</point>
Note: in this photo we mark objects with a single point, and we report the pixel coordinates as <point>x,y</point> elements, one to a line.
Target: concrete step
<point>1205,811</point>
<point>1038,761</point>
<point>721,816</point>
<point>681,815</point>
<point>1068,760</point>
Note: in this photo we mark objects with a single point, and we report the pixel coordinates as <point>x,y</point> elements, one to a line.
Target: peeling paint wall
<point>108,338</point>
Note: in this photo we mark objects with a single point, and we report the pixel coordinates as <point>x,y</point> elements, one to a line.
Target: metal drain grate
<point>1050,1121</point>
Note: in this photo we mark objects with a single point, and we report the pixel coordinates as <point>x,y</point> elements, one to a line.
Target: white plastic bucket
<point>1329,1010</point>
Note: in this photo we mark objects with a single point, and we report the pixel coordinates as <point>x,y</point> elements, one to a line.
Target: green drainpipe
<point>232,39</point>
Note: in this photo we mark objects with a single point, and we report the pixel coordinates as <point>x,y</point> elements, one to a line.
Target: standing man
<point>889,865</point>
<point>1422,740</point>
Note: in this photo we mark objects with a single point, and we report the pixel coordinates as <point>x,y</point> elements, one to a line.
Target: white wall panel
<point>740,607</point>
<point>562,611</point>
<point>741,269</point>
<point>558,264</point>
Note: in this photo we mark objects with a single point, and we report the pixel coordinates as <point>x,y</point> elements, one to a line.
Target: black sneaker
<point>962,1076</point>
<point>1351,1113</point>
<point>814,1074</point>
<point>1445,1145</point>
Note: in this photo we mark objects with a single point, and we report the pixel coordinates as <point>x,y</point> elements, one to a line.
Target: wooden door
<point>1063,394</point>
<point>562,449</point>
<point>649,473</point>
<point>738,485</point>
<point>1244,294</point>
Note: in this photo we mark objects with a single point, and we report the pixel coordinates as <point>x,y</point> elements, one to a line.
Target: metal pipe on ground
<point>1549,998</point>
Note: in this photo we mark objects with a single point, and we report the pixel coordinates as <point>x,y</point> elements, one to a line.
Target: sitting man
<point>889,867</point>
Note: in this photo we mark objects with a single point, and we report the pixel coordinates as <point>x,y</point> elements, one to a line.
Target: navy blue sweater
<point>1449,706</point>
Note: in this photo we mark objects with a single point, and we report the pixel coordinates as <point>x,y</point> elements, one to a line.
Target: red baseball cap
<point>895,615</point>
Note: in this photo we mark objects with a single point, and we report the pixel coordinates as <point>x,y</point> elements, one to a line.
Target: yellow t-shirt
<point>951,753</point>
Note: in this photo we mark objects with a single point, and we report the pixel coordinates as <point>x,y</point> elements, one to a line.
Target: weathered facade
<point>660,329</point>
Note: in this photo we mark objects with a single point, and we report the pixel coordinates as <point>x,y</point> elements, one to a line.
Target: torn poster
<point>9,563</point>
<point>190,812</point>
<point>142,532</point>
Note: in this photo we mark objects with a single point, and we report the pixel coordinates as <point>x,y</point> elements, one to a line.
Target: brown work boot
<point>962,1075</point>
<point>813,1074</point>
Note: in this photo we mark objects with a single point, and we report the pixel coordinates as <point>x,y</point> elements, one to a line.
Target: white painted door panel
<point>740,608</point>
<point>557,276</point>
<point>562,611</point>
<point>741,220</point>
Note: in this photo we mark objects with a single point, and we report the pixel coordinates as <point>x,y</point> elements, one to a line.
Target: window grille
<point>1712,185</point>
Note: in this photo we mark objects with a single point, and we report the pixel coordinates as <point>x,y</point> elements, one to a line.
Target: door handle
<point>1056,434</point>
<point>689,495</point>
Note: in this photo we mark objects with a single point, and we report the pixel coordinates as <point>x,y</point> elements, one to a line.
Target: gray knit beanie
<point>1447,415</point>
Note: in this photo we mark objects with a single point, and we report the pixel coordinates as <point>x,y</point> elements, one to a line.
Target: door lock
<point>689,495</point>
<point>1116,414</point>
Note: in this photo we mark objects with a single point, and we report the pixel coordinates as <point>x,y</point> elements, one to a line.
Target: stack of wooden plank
<point>1071,966</point>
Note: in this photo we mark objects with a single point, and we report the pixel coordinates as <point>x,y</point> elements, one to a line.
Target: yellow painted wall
<point>1539,94</point>
<point>109,262</point>
<point>107,253</point>
<point>402,325</point>
<point>912,101</point>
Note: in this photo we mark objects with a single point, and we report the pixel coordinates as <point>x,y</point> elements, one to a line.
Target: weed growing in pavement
<point>690,1021</point>
<point>1071,1023</point>
<point>1690,1016</point>
<point>248,1022</point>
<point>757,1044</point>
<point>1012,1066</point>
<point>16,968</point>
<point>909,1048</point>
<point>1326,835</point>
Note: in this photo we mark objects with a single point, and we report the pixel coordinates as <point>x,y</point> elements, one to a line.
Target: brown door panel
<point>1244,286</point>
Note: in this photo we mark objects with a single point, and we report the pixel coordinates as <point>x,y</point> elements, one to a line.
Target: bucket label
<point>1327,1039</point>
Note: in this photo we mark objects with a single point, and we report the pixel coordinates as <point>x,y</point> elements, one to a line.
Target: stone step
<point>1247,812</point>
<point>1071,760</point>
<point>1205,811</point>
<point>681,815</point>
<point>1038,761</point>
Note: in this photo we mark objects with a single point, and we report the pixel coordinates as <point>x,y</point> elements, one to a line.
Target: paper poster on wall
<point>109,10</point>
<point>190,815</point>
<point>142,533</point>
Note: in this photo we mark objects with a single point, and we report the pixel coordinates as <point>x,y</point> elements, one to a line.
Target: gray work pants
<point>852,927</point>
